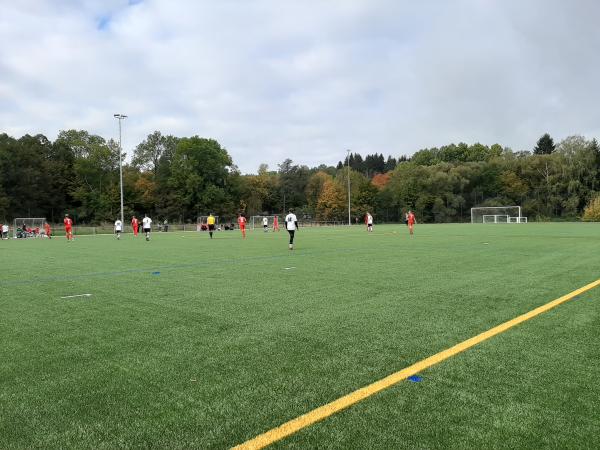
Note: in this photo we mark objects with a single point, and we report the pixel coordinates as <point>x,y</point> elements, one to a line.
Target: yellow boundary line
<point>316,415</point>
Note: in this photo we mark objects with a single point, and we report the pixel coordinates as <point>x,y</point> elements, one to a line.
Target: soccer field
<point>186,342</point>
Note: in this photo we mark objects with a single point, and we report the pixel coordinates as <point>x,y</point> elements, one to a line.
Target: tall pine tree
<point>545,145</point>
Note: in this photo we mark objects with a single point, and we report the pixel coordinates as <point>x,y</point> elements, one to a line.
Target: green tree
<point>366,199</point>
<point>154,150</point>
<point>545,145</point>
<point>261,195</point>
<point>199,177</point>
<point>390,164</point>
<point>26,175</point>
<point>292,181</point>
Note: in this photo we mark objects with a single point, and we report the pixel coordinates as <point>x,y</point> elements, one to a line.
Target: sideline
<point>316,415</point>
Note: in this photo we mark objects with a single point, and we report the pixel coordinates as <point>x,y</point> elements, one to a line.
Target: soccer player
<point>68,227</point>
<point>411,220</point>
<point>4,231</point>
<point>135,224</point>
<point>147,226</point>
<point>265,224</point>
<point>118,228</point>
<point>276,223</point>
<point>369,221</point>
<point>48,230</point>
<point>211,224</point>
<point>242,224</point>
<point>291,224</point>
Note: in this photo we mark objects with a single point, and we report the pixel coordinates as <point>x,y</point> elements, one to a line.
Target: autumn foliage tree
<point>314,189</point>
<point>380,180</point>
<point>332,201</point>
<point>592,211</point>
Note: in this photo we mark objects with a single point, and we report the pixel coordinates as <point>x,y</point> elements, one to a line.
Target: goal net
<point>257,222</point>
<point>497,214</point>
<point>202,225</point>
<point>29,227</point>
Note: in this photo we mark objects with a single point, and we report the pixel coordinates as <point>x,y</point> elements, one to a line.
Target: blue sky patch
<point>103,23</point>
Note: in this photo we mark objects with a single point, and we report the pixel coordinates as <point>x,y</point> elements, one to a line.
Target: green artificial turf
<point>187,342</point>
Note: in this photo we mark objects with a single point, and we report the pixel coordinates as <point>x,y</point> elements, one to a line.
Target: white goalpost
<point>497,214</point>
<point>257,222</point>
<point>202,225</point>
<point>28,227</point>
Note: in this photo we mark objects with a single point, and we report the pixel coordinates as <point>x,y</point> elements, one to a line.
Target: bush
<point>591,212</point>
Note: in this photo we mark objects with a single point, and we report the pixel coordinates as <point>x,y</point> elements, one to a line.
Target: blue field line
<point>154,269</point>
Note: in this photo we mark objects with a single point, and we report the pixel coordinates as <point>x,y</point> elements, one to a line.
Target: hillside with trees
<point>180,178</point>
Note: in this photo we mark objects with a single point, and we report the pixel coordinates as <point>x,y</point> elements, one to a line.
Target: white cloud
<point>273,79</point>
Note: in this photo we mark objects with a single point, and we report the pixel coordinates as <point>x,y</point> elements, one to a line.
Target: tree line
<point>181,178</point>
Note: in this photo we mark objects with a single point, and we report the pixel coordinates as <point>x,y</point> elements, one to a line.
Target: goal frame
<point>491,211</point>
<point>256,221</point>
<point>18,221</point>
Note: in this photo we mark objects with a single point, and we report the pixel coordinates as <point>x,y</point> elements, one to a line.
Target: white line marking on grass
<point>288,268</point>
<point>78,295</point>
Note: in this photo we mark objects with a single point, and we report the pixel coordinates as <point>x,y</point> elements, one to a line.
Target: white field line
<point>78,295</point>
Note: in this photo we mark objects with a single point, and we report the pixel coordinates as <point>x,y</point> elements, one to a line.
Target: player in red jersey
<point>242,224</point>
<point>68,227</point>
<point>411,222</point>
<point>276,223</point>
<point>135,224</point>
<point>48,230</point>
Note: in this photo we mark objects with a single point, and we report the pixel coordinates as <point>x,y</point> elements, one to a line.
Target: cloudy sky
<point>308,79</point>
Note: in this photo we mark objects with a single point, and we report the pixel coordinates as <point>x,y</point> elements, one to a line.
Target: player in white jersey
<point>147,226</point>
<point>4,231</point>
<point>265,224</point>
<point>118,228</point>
<point>369,221</point>
<point>291,225</point>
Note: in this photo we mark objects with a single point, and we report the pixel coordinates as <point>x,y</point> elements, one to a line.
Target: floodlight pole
<point>120,117</point>
<point>348,158</point>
